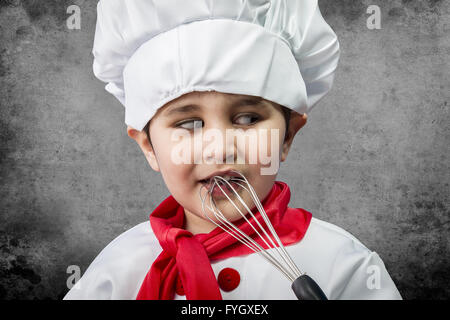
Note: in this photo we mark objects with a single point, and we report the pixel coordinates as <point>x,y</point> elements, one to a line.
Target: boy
<point>187,69</point>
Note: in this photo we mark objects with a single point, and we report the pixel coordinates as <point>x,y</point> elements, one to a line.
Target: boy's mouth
<point>228,176</point>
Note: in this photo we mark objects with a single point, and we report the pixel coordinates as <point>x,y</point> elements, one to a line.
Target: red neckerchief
<point>189,256</point>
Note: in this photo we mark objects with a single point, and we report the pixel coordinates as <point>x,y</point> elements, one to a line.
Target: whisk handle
<point>305,288</point>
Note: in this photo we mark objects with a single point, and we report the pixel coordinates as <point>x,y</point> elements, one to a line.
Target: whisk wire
<point>239,235</point>
<point>278,249</point>
<point>289,268</point>
<point>245,217</point>
<point>242,237</point>
<point>281,249</point>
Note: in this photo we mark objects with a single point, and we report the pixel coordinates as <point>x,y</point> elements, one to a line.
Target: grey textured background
<point>373,158</point>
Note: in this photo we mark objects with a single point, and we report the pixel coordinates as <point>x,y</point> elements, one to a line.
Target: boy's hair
<point>286,114</point>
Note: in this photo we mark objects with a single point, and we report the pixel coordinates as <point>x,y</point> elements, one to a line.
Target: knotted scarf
<point>189,256</point>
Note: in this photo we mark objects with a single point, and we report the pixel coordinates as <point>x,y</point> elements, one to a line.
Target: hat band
<point>211,55</point>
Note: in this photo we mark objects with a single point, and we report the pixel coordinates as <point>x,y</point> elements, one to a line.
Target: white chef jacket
<point>341,265</point>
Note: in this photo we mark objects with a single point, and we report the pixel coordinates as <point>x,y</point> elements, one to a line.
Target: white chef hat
<point>152,51</point>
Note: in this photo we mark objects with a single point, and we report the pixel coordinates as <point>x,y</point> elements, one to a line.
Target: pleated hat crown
<point>150,52</point>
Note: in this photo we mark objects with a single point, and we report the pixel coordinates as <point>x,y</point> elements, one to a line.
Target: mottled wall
<point>372,159</point>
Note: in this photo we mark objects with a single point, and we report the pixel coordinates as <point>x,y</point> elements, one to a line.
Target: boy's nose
<point>222,148</point>
<point>221,157</point>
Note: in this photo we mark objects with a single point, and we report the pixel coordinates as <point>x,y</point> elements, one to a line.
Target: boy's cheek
<point>177,173</point>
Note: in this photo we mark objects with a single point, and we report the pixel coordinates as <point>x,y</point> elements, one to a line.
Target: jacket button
<point>228,279</point>
<point>179,287</point>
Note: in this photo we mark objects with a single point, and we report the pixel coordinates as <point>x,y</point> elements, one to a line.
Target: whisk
<point>304,287</point>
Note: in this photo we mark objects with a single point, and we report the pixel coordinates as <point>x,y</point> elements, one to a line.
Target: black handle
<point>305,288</point>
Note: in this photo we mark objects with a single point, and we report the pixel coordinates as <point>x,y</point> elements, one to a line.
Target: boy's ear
<point>296,122</point>
<point>141,139</point>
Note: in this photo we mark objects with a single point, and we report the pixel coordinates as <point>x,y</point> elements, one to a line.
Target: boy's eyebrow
<point>251,101</point>
<point>193,107</point>
<point>183,109</point>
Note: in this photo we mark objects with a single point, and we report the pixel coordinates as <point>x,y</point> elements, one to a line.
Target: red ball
<point>228,279</point>
<point>179,287</point>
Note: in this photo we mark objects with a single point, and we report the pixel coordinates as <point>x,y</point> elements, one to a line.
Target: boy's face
<point>181,151</point>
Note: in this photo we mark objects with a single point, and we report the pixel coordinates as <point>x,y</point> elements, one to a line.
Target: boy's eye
<point>190,124</point>
<point>246,119</point>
